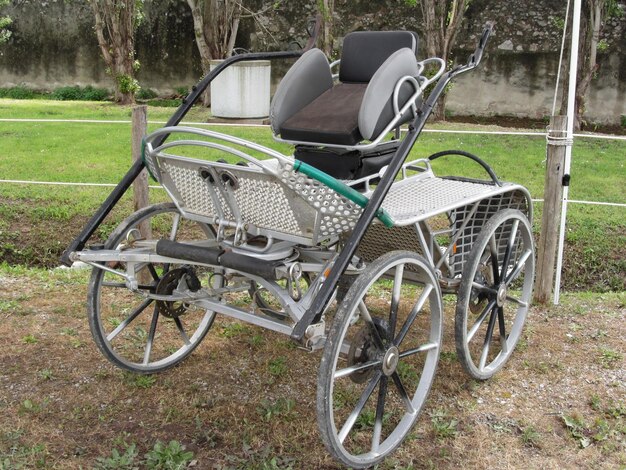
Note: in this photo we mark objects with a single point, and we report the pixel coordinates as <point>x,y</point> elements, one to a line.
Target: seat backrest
<point>365,51</point>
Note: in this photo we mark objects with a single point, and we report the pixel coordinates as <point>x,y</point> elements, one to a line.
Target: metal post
<point>571,103</point>
<point>552,194</point>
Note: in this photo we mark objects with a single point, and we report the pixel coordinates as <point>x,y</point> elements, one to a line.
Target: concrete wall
<point>54,44</point>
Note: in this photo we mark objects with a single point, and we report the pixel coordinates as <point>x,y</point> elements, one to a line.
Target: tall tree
<point>116,22</point>
<point>216,24</point>
<point>5,21</point>
<point>442,21</point>
<point>593,15</point>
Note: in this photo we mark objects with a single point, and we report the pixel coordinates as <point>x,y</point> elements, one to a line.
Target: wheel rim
<point>381,361</point>
<point>496,295</point>
<point>140,334</point>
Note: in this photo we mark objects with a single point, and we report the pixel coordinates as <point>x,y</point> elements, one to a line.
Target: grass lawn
<point>100,153</point>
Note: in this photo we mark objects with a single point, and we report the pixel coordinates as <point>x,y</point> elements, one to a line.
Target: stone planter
<point>242,90</point>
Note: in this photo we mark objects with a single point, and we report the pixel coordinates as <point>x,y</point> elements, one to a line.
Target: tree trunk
<point>115,22</point>
<point>327,10</point>
<point>442,21</point>
<point>216,24</point>
<point>592,15</point>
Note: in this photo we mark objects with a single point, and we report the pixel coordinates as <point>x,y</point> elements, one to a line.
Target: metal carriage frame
<point>295,238</point>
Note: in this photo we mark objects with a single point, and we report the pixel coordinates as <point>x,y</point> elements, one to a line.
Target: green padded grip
<point>345,190</point>
<point>143,159</point>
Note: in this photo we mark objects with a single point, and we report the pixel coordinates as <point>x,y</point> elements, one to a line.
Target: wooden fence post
<point>552,199</point>
<point>140,186</point>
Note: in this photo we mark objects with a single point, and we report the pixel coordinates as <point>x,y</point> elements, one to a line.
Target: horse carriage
<point>345,246</point>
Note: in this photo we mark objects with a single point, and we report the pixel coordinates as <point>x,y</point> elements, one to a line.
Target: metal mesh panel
<point>486,208</point>
<point>379,240</point>
<point>264,203</point>
<point>410,199</point>
<point>338,214</point>
<point>192,189</point>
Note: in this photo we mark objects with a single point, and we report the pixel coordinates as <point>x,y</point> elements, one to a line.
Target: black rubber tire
<point>346,319</point>
<point>496,226</point>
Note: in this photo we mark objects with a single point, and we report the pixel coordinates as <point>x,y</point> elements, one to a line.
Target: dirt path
<point>559,403</point>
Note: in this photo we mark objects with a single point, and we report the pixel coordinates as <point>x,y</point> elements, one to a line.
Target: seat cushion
<point>307,79</point>
<point>332,118</point>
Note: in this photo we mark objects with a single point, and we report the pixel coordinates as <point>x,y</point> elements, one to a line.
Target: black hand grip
<point>477,55</point>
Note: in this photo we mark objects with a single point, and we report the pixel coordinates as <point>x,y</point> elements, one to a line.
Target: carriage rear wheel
<point>138,333</point>
<point>495,293</point>
<point>380,359</point>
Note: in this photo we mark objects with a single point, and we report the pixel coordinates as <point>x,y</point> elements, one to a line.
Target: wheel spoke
<point>490,327</point>
<point>380,411</point>
<point>519,302</point>
<point>365,314</point>
<point>484,288</point>
<point>502,329</point>
<point>128,319</point>
<point>403,393</point>
<point>175,225</point>
<point>518,267</point>
<point>181,330</point>
<point>122,285</point>
<point>494,259</point>
<point>413,314</point>
<point>352,369</point>
<point>395,299</point>
<point>479,321</point>
<point>151,335</point>
<point>153,272</point>
<point>509,249</point>
<point>422,348</point>
<point>349,424</point>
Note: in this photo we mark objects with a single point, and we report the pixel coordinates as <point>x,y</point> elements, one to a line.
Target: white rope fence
<point>112,185</point>
<point>229,124</point>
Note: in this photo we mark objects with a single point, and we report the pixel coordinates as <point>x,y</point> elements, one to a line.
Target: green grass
<point>100,153</point>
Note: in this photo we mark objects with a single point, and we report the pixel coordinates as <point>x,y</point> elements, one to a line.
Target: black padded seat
<point>314,122</point>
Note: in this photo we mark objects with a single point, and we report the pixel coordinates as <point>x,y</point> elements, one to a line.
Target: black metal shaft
<point>134,171</point>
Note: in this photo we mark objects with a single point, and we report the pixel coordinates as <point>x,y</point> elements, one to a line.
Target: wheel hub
<point>502,293</point>
<point>390,361</point>
<point>362,350</point>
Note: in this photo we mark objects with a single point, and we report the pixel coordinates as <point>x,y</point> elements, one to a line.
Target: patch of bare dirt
<point>62,405</point>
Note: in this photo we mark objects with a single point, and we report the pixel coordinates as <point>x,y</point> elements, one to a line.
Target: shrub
<point>95,94</point>
<point>182,90</point>
<point>76,93</point>
<point>19,92</point>
<point>67,93</point>
<point>623,120</point>
<point>146,94</point>
<point>127,84</point>
<point>164,103</point>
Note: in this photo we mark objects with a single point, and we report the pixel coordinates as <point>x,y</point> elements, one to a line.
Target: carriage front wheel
<point>494,293</point>
<point>380,359</point>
